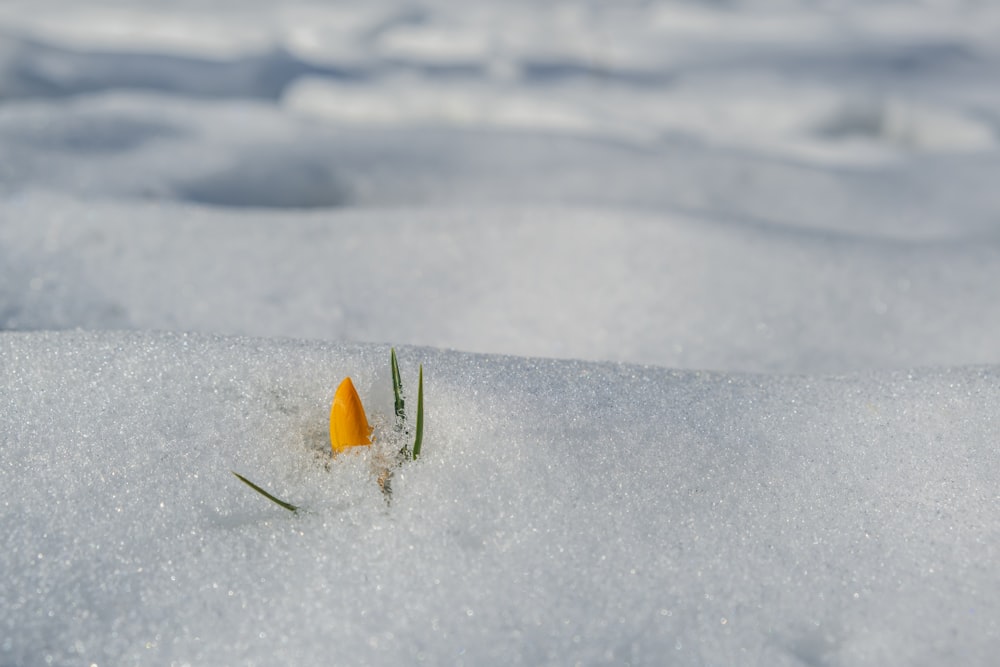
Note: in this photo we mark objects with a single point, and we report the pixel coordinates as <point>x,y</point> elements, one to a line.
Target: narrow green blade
<point>397,390</point>
<point>288,506</point>
<point>420,414</point>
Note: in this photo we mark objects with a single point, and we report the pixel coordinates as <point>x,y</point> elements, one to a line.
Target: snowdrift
<point>563,511</point>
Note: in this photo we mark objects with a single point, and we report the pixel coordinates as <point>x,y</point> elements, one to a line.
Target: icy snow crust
<point>723,274</point>
<point>565,511</point>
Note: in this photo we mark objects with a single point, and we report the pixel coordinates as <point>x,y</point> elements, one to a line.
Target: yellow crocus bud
<point>348,424</point>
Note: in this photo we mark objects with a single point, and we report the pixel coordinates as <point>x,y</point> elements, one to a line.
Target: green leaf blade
<point>420,415</point>
<point>288,506</point>
<point>397,390</point>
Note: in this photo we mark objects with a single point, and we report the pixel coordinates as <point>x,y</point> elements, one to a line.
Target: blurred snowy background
<point>802,190</point>
<point>791,186</point>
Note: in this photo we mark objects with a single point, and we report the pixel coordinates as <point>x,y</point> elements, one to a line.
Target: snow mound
<point>673,289</point>
<point>563,512</point>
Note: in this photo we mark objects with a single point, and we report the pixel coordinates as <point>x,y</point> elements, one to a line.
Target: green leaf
<point>397,390</point>
<point>288,506</point>
<point>420,414</point>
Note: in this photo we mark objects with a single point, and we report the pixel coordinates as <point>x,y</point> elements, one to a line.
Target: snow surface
<point>705,295</point>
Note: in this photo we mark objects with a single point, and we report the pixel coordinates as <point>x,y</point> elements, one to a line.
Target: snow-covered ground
<point>705,294</point>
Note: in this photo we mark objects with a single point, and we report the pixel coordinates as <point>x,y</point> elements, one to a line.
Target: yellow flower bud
<point>348,423</point>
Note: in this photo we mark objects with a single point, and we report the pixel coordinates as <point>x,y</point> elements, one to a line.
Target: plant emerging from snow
<point>349,428</point>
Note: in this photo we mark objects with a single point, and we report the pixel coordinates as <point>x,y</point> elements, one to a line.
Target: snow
<point>704,294</point>
<point>632,514</point>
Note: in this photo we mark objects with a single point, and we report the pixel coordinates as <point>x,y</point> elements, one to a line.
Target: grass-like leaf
<point>420,414</point>
<point>288,506</point>
<point>397,391</point>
